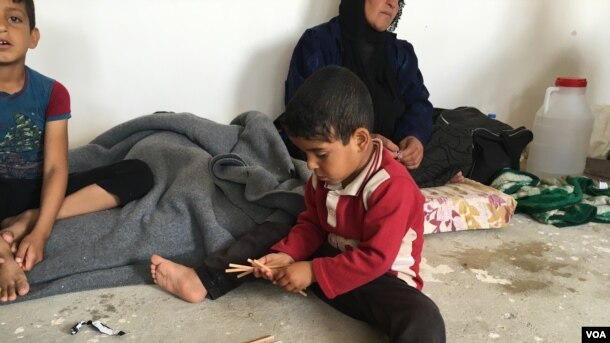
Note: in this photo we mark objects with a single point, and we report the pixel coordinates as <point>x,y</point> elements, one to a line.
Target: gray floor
<point>525,283</point>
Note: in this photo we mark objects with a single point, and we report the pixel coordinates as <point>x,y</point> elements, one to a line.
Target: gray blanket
<point>213,183</point>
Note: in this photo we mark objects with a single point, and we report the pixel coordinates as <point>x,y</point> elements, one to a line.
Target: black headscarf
<point>364,53</point>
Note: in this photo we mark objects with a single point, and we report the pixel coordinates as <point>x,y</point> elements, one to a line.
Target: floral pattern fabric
<point>468,205</point>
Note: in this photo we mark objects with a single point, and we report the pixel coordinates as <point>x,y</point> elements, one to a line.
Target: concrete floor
<point>525,283</point>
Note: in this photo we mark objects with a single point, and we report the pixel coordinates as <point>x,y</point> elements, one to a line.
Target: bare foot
<point>13,229</point>
<point>177,279</point>
<point>13,281</point>
<point>457,178</point>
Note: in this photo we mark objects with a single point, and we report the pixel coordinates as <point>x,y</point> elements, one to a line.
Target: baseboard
<point>598,167</point>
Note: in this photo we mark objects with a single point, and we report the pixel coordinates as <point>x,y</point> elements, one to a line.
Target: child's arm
<point>304,238</point>
<point>55,180</point>
<point>307,235</point>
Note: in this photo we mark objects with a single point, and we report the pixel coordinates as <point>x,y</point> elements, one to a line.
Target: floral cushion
<point>468,205</point>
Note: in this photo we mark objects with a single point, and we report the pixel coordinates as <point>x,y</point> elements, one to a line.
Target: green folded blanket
<point>568,201</point>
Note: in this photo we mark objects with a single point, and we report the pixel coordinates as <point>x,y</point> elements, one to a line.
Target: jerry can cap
<point>570,82</point>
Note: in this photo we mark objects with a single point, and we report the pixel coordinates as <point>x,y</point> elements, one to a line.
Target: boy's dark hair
<point>30,11</point>
<point>331,104</point>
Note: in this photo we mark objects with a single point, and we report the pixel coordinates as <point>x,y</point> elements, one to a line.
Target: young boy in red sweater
<point>358,243</point>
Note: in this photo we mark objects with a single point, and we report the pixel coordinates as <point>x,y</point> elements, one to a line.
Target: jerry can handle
<point>547,97</point>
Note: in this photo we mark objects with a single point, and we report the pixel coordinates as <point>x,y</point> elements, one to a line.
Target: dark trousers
<point>254,244</point>
<point>128,180</point>
<point>388,303</point>
<point>391,305</point>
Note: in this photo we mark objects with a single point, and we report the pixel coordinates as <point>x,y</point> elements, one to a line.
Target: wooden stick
<point>237,270</point>
<point>258,264</point>
<point>278,266</point>
<point>266,339</point>
<point>244,274</point>
<point>235,265</point>
<point>303,293</point>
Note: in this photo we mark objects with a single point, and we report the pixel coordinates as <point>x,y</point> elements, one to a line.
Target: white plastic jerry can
<point>562,131</point>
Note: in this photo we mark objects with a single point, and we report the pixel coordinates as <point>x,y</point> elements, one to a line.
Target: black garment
<point>364,53</point>
<point>127,179</point>
<point>402,312</point>
<point>254,244</point>
<point>388,303</point>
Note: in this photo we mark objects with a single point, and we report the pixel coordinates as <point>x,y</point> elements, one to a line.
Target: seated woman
<point>361,40</point>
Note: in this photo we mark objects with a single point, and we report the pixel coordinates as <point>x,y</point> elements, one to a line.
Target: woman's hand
<point>411,152</point>
<point>388,144</point>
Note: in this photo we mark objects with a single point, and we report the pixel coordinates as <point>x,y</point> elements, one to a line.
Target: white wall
<point>215,58</point>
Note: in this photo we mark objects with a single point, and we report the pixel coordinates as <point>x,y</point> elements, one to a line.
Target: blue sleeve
<point>314,51</point>
<point>303,63</point>
<point>417,118</point>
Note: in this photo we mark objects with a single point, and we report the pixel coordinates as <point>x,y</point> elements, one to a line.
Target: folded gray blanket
<point>213,183</point>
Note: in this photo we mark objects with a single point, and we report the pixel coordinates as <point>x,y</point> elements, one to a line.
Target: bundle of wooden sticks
<point>244,270</point>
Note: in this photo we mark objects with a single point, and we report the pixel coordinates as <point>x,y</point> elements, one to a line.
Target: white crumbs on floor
<point>57,321</point>
<point>483,276</point>
<point>427,271</point>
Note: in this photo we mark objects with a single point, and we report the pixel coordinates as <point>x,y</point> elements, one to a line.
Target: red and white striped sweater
<point>376,221</point>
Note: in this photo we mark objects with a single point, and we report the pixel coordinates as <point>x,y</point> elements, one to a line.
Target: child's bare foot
<point>13,281</point>
<point>177,279</point>
<point>13,229</point>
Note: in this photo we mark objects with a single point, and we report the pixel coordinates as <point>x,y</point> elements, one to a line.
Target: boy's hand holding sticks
<point>274,263</point>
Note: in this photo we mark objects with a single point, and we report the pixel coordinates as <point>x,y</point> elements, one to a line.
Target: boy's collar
<point>25,83</point>
<point>354,187</point>
<point>23,88</point>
